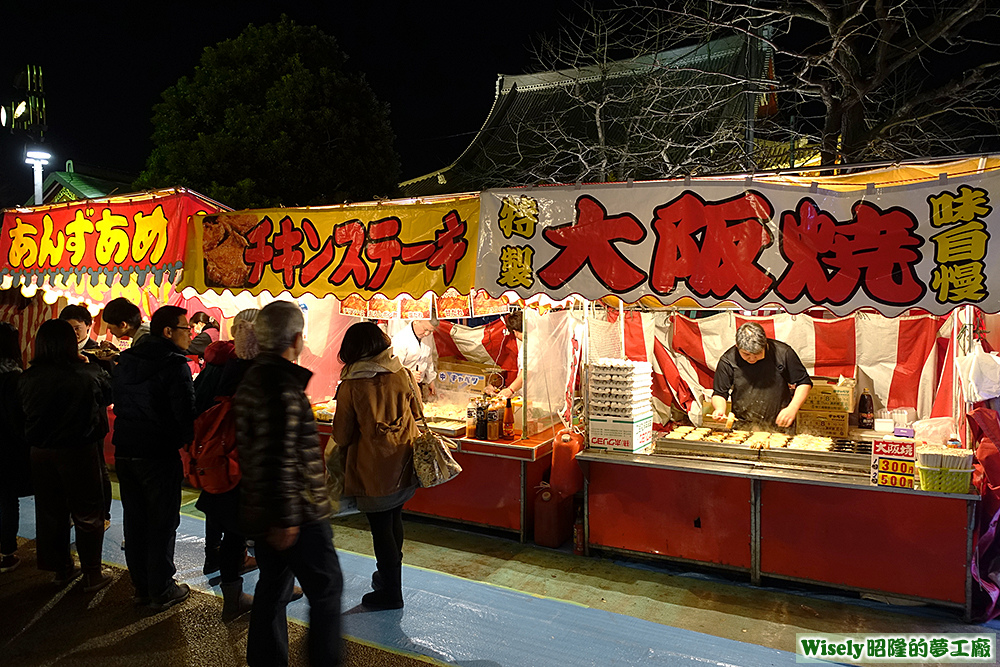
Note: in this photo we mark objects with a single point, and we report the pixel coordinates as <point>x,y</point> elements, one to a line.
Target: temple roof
<point>539,122</point>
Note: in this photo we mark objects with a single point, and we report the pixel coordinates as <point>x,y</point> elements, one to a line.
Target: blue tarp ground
<point>461,622</point>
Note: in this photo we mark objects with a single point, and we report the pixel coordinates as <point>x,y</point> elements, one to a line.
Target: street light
<point>37,158</point>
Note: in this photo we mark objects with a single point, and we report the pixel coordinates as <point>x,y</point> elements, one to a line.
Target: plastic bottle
<point>470,418</point>
<point>954,441</point>
<point>866,410</point>
<point>508,421</point>
<point>493,422</point>
<point>481,428</point>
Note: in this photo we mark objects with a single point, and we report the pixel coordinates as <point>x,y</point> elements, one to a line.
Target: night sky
<point>106,63</point>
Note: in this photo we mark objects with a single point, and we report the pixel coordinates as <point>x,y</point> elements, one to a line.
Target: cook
<point>415,349</point>
<point>757,374</point>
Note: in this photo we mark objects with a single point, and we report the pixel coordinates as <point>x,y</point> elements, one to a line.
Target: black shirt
<point>760,390</point>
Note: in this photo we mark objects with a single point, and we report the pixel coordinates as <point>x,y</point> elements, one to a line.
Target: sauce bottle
<point>493,422</point>
<point>508,421</point>
<point>470,418</point>
<point>866,410</point>
<point>481,431</point>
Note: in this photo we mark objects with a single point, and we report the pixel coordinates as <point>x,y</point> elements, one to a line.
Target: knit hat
<point>244,337</point>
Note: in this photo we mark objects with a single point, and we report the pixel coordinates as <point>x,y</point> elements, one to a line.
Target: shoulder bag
<point>432,460</point>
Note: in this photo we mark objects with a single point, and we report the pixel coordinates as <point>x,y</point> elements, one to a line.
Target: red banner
<point>141,235</point>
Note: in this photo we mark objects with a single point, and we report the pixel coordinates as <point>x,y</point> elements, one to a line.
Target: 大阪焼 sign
<point>891,248</point>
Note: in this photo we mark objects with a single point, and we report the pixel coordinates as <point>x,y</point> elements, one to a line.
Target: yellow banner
<point>387,248</point>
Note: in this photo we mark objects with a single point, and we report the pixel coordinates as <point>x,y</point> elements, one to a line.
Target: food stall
<point>870,276</point>
<point>387,261</point>
<point>92,251</point>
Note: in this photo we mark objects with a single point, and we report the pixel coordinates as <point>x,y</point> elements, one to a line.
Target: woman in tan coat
<point>373,431</point>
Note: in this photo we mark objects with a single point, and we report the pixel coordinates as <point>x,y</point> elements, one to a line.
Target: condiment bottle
<point>493,422</point>
<point>866,410</point>
<point>470,418</point>
<point>481,431</point>
<point>508,421</point>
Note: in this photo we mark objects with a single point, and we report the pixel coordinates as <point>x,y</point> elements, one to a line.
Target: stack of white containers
<point>621,406</point>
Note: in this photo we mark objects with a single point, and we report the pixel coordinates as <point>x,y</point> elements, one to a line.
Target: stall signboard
<point>139,236</point>
<point>893,463</point>
<point>382,248</point>
<point>925,245</point>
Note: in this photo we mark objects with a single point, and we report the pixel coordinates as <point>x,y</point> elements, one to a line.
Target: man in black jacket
<point>154,418</point>
<point>284,501</point>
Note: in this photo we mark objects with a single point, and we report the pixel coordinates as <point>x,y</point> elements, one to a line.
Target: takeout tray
<point>451,429</point>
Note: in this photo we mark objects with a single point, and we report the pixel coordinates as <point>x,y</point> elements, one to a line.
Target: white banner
<point>891,248</point>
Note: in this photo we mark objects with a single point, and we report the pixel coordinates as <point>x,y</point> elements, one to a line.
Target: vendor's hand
<point>83,357</point>
<point>785,417</point>
<point>490,390</point>
<point>720,414</point>
<point>282,538</point>
<point>430,389</point>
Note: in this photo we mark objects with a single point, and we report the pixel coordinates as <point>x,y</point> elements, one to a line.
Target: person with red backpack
<point>212,465</point>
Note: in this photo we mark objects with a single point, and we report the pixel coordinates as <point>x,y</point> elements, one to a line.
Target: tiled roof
<point>537,120</point>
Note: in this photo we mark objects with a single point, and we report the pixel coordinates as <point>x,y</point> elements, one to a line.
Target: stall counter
<point>497,486</point>
<point>800,525</point>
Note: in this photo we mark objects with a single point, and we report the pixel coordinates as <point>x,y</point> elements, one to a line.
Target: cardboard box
<point>826,396</point>
<point>830,423</point>
<point>463,376</point>
<point>620,435</point>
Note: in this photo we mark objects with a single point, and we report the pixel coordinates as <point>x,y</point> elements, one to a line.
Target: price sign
<point>899,481</point>
<point>895,467</point>
<point>893,463</point>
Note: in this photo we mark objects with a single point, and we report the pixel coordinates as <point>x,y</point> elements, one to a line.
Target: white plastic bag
<point>934,431</point>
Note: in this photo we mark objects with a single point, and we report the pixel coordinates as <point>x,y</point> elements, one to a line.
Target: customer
<point>124,319</point>
<point>373,430</point>
<point>15,463</point>
<point>225,544</point>
<point>154,416</point>
<point>62,397</point>
<point>284,502</point>
<point>79,318</point>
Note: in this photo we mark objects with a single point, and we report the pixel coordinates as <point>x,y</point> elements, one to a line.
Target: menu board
<point>893,463</point>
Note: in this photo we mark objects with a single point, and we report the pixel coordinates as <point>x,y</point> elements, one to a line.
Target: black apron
<point>760,392</point>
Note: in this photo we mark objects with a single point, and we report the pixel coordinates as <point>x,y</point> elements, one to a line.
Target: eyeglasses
<point>180,327</point>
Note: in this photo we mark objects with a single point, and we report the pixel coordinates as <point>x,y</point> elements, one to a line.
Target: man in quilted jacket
<point>284,501</point>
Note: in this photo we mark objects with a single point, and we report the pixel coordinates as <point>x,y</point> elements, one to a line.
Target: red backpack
<point>210,460</point>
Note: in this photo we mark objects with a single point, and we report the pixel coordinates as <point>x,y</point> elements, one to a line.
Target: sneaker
<point>95,581</point>
<point>175,595</point>
<point>9,563</point>
<point>107,524</point>
<point>296,593</point>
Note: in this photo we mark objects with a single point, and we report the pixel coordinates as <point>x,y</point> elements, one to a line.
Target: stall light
<point>50,297</point>
<point>37,155</point>
<point>28,291</point>
<point>19,110</point>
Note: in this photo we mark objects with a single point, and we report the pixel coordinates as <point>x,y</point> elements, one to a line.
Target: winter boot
<point>382,600</point>
<point>235,602</point>
<point>212,560</point>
